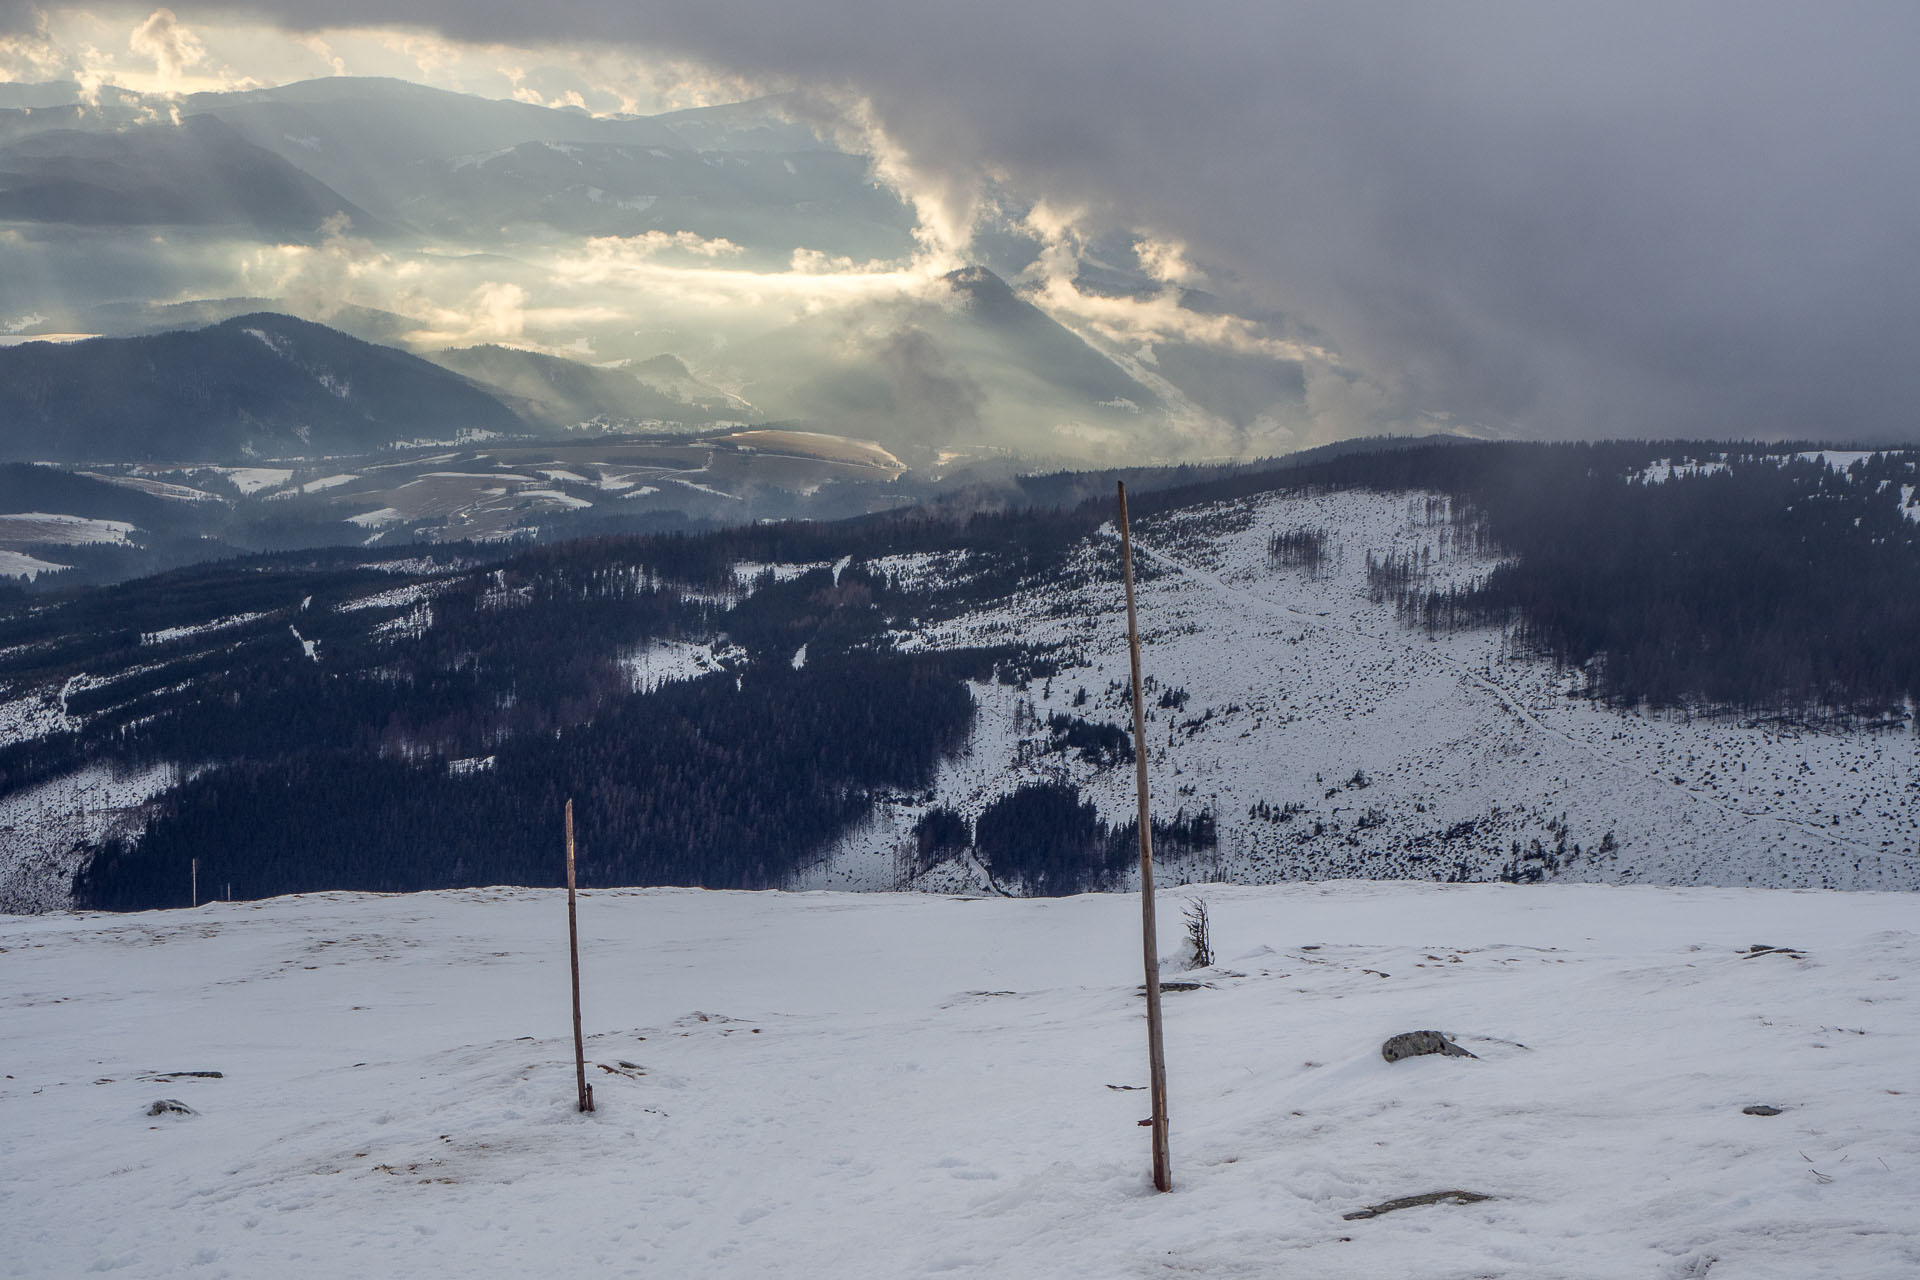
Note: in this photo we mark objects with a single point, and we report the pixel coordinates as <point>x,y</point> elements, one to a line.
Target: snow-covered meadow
<point>900,1085</point>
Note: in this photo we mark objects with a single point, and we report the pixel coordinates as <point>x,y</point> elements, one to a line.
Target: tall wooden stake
<point>1149,935</point>
<point>573,954</point>
<point>196,882</point>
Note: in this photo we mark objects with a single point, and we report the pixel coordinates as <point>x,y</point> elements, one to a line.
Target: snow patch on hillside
<point>252,480</point>
<point>748,572</point>
<point>167,635</point>
<point>1666,469</point>
<point>1840,460</point>
<point>23,527</point>
<point>662,662</point>
<point>377,518</point>
<point>44,827</point>
<point>18,564</point>
<point>413,593</point>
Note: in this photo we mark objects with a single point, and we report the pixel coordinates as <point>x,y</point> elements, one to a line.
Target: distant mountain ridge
<point>198,173</point>
<point>256,386</point>
<point>596,226</point>
<point>564,394</point>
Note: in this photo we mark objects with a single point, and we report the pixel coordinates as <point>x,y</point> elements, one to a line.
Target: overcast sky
<point>1547,220</point>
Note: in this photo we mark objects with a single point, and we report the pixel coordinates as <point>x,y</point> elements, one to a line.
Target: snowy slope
<point>45,829</point>
<point>882,1085</point>
<point>1415,756</point>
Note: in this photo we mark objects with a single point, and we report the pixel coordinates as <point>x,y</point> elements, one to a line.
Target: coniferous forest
<point>416,718</point>
<point>1749,578</point>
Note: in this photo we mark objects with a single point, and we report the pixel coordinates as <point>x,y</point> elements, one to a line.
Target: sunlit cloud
<point>1159,318</point>
<point>605,258</point>
<point>324,51</point>
<point>1166,261</point>
<point>1141,322</point>
<point>501,313</point>
<point>665,268</point>
<point>947,203</point>
<point>172,47</point>
<point>164,53</point>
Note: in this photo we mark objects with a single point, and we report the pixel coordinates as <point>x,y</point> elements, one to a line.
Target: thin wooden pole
<point>573,954</point>
<point>1149,934</point>
<point>196,882</point>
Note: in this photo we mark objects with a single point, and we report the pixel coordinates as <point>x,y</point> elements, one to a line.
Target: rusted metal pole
<point>573,954</point>
<point>1149,934</point>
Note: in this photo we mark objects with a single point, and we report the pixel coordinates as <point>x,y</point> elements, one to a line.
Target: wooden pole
<point>573,955</point>
<point>1149,934</point>
<point>196,882</point>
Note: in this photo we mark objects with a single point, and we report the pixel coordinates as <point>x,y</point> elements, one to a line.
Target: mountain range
<point>261,386</point>
<point>750,243</point>
<point>253,387</point>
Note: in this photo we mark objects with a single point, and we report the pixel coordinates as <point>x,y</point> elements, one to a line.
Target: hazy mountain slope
<point>253,386</point>
<point>559,393</point>
<point>365,135</point>
<point>764,204</point>
<point>669,375</point>
<point>23,488</point>
<point>975,366</point>
<point>200,173</point>
<point>455,165</point>
<point>1038,345</point>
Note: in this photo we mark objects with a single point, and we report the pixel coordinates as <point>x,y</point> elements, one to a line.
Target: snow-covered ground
<point>50,528</point>
<point>899,1085</point>
<point>661,662</point>
<point>18,564</point>
<point>252,480</point>
<point>167,635</point>
<point>45,827</point>
<point>1330,740</point>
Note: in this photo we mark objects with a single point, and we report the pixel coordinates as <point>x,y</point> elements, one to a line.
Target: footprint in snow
<point>962,1170</point>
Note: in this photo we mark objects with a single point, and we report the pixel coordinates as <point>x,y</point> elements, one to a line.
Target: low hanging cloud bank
<point>1629,220</point>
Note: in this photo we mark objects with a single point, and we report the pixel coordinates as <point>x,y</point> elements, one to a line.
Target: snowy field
<point>902,1085</point>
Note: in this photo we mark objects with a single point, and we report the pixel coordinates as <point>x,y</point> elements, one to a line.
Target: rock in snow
<point>1412,1044</point>
<point>1415,1202</point>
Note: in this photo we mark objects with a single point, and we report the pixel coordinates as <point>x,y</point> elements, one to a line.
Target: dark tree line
<point>711,782</point>
<point>1774,585</point>
<point>1049,842</point>
<point>1765,588</point>
<point>1299,548</point>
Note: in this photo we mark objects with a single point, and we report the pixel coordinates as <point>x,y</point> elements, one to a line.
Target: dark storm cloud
<point>1560,220</point>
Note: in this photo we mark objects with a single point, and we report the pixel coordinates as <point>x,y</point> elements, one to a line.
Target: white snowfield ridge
<point>820,1085</point>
